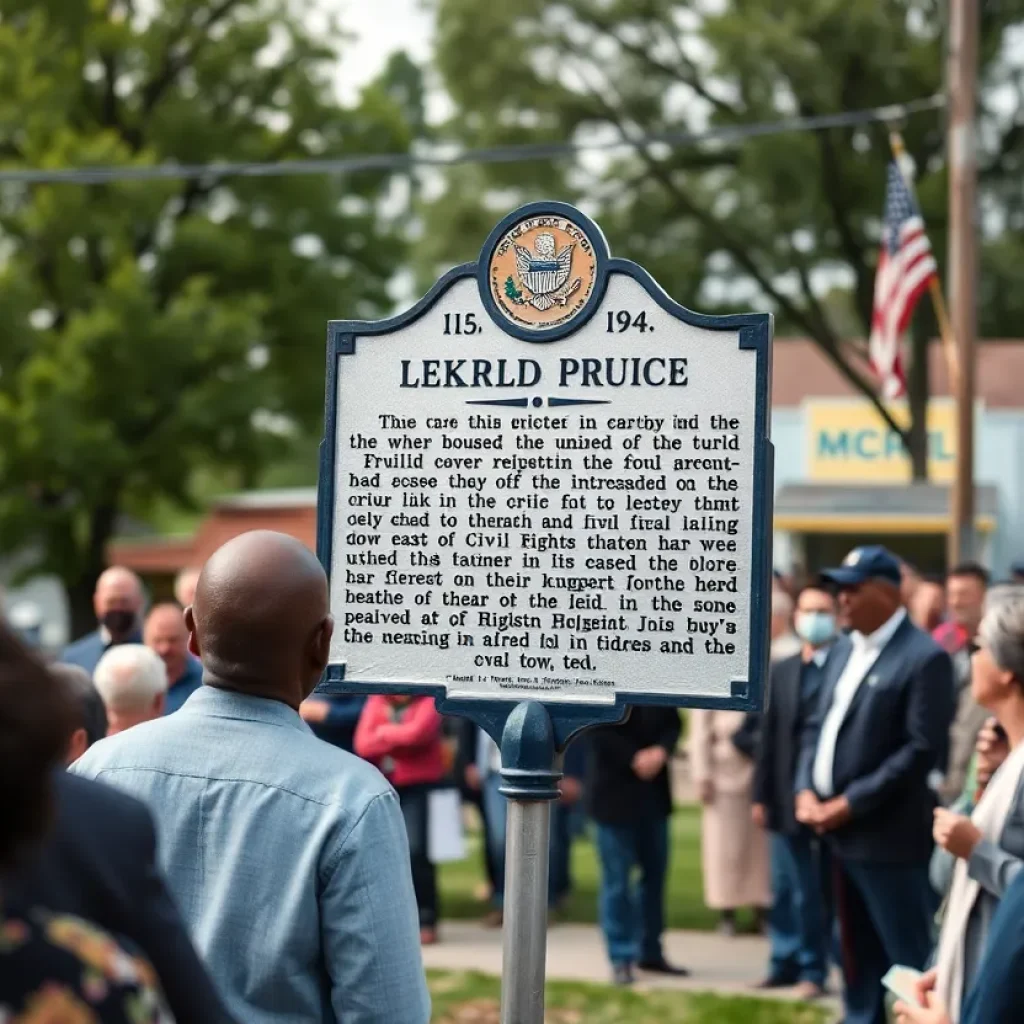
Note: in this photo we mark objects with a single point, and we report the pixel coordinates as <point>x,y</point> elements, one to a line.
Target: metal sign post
<point>530,783</point>
<point>545,496</point>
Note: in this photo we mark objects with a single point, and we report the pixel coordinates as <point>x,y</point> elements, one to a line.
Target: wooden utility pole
<point>962,260</point>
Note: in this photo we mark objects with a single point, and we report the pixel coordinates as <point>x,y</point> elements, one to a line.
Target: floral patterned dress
<point>56,969</point>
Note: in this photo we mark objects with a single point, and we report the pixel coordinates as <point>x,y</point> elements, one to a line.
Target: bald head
<point>166,634</point>
<point>118,602</point>
<point>260,619</point>
<point>185,586</point>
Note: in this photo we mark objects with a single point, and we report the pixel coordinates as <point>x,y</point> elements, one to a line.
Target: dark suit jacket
<point>894,736</point>
<point>778,749</point>
<point>616,795</point>
<point>997,995</point>
<point>99,864</point>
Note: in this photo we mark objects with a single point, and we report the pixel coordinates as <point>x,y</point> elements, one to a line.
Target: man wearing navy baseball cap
<point>868,761</point>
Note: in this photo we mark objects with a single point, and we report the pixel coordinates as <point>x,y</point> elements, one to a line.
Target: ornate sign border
<point>755,333</point>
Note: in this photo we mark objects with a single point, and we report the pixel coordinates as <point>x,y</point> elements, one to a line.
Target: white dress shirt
<point>866,650</point>
<point>820,655</point>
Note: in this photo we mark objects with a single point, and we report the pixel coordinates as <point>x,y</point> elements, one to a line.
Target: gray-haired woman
<point>989,845</point>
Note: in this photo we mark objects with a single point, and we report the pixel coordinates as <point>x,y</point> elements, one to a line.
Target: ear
<point>77,746</point>
<point>1007,680</point>
<point>321,646</point>
<point>190,625</point>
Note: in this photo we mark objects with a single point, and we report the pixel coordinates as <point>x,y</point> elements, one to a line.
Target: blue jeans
<point>886,913</point>
<point>495,809</point>
<point>632,917</point>
<point>797,925</point>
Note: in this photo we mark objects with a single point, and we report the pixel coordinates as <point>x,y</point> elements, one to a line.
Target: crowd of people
<point>293,879</point>
<point>193,835</point>
<point>885,779</point>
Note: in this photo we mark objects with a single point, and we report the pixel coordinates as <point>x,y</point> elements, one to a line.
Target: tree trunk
<point>83,618</point>
<point>917,400</point>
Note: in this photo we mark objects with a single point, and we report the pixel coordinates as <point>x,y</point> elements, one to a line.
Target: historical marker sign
<point>548,480</point>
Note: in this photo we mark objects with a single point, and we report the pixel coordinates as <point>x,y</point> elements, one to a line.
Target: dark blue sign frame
<point>566,719</point>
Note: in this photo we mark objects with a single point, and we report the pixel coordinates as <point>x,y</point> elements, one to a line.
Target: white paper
<point>900,982</point>
<point>445,839</point>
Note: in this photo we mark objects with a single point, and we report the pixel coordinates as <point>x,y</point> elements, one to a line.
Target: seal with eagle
<point>543,272</point>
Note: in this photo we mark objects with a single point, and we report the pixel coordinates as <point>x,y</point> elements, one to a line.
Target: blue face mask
<point>816,628</point>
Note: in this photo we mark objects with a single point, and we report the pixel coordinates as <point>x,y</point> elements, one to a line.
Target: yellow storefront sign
<point>849,442</point>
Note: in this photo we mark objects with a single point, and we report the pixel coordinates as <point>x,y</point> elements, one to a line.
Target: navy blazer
<point>99,863</point>
<point>894,737</point>
<point>997,995</point>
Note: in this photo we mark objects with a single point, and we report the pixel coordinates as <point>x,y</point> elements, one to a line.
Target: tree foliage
<point>778,220</point>
<point>147,328</point>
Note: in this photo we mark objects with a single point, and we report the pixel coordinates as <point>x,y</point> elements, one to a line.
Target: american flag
<point>906,268</point>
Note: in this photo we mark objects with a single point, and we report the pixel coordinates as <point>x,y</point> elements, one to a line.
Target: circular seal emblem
<point>542,272</point>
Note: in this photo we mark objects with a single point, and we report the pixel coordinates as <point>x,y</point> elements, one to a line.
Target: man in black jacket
<point>870,760</point>
<point>630,799</point>
<point>798,924</point>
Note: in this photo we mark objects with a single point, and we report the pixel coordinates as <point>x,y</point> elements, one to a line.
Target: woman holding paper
<point>402,737</point>
<point>989,845</point>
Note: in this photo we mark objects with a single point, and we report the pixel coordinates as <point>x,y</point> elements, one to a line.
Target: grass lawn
<point>467,998</point>
<point>684,900</point>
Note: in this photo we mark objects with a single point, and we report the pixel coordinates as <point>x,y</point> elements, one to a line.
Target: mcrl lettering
<point>875,443</point>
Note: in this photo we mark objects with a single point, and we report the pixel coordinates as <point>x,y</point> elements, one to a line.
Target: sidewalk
<point>576,953</point>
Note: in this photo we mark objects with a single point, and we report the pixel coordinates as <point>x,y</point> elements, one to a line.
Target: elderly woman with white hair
<point>132,680</point>
<point>988,845</point>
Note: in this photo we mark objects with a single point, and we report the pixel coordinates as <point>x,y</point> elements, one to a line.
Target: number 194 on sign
<point>620,321</point>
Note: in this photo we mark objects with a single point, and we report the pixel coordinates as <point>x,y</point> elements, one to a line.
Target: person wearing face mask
<point>798,924</point>
<point>118,602</point>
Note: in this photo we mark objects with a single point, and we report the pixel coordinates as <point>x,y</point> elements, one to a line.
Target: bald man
<point>165,633</point>
<point>287,856</point>
<point>185,586</point>
<point>118,602</point>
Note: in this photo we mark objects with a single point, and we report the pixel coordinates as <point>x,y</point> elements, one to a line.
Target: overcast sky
<point>381,27</point>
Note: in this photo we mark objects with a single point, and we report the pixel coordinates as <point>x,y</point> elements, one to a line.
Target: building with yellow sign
<point>842,477</point>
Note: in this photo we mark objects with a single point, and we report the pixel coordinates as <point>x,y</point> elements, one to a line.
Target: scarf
<point>989,818</point>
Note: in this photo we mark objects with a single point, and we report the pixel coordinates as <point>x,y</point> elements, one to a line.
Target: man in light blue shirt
<point>287,857</point>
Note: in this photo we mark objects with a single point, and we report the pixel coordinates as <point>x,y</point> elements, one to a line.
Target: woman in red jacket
<point>402,737</point>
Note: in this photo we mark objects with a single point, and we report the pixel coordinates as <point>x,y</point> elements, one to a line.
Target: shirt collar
<point>881,636</point>
<point>820,656</point>
<point>216,703</point>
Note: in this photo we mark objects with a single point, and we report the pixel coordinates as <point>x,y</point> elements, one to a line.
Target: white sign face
<point>567,521</point>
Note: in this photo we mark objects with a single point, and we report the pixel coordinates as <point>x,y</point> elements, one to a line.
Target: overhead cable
<point>492,155</point>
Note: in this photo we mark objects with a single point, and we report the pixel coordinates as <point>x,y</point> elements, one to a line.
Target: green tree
<point>776,221</point>
<point>150,328</point>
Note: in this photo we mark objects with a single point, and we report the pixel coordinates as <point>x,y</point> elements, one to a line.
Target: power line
<point>492,155</point>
